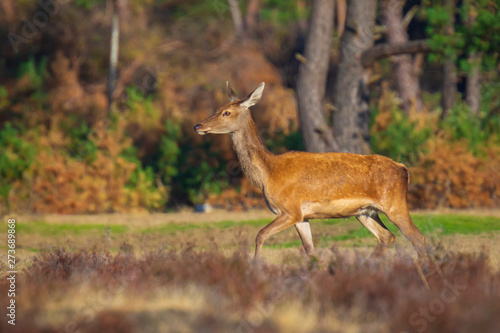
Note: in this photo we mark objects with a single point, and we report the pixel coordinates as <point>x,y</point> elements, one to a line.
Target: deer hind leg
<point>281,222</point>
<point>304,230</point>
<point>384,237</point>
<point>403,221</point>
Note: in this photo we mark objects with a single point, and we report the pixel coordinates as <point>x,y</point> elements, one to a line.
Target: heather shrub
<point>374,295</point>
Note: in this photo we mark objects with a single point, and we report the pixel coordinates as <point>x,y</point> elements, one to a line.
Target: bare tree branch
<point>385,50</point>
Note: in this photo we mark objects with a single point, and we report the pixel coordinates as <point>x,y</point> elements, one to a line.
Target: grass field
<point>186,272</point>
<point>458,232</point>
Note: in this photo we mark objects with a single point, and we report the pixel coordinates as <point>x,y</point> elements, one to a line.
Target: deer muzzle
<point>198,129</point>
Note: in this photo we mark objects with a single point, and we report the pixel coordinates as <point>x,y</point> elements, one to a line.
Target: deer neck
<point>255,159</point>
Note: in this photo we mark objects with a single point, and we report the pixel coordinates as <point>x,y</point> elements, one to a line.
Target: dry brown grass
<point>186,290</point>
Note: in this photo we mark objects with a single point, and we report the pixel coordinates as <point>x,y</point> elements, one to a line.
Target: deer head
<point>231,116</point>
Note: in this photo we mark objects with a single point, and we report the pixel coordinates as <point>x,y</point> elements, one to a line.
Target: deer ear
<point>230,93</point>
<point>254,97</point>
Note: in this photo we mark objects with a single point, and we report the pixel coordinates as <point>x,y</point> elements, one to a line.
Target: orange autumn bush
<point>99,182</point>
<point>450,175</point>
<point>454,162</point>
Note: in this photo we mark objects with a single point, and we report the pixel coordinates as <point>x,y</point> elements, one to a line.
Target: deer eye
<point>227,113</point>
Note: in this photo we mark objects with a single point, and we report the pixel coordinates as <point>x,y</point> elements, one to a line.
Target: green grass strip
<point>444,224</point>
<point>181,227</point>
<point>51,229</point>
<point>427,223</point>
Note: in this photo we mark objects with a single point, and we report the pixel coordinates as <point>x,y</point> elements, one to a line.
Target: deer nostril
<point>197,126</point>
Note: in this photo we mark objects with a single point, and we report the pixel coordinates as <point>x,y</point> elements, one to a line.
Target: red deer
<point>298,186</point>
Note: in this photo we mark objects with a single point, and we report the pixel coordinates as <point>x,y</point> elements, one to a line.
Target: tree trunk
<point>449,87</point>
<point>234,8</point>
<point>312,79</point>
<point>472,88</point>
<point>113,53</point>
<point>351,117</point>
<point>406,80</point>
<point>449,70</point>
<point>341,15</point>
<point>252,14</point>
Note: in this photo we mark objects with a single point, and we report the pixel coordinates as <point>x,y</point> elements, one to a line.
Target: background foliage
<point>62,150</point>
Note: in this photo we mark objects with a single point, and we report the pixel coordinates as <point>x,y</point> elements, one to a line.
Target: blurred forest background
<point>416,81</point>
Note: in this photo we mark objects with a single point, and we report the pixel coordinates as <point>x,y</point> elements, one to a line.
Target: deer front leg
<point>304,230</point>
<point>282,222</point>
